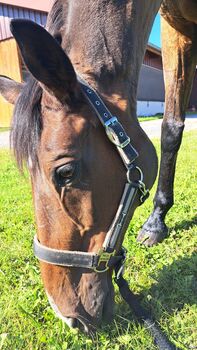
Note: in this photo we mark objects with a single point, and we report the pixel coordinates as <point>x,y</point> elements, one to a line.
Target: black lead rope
<point>142,315</point>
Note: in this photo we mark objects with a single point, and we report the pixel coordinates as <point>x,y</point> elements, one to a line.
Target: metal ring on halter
<point>129,173</point>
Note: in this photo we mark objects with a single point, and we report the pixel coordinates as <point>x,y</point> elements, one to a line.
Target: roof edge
<point>154,48</point>
<point>37,5</point>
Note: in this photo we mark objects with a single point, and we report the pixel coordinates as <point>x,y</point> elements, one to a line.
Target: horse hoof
<point>150,236</point>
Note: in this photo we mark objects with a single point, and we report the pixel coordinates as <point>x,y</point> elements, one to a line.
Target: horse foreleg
<point>179,58</point>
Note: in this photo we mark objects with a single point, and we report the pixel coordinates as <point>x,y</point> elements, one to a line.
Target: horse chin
<point>93,304</point>
<point>72,322</point>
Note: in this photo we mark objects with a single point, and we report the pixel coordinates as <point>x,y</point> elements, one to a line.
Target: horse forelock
<point>27,124</point>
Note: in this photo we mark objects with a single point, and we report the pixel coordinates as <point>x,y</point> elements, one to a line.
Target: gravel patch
<point>4,139</point>
<point>153,127</point>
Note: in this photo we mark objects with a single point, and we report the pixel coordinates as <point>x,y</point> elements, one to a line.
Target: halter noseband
<point>106,257</point>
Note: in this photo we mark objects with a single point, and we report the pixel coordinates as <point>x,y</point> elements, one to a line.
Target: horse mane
<point>27,120</point>
<point>55,18</point>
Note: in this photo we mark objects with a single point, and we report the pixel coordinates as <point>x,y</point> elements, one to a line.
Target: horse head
<point>77,177</point>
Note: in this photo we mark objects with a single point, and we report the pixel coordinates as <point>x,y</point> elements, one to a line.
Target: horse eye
<point>66,171</point>
<point>65,174</point>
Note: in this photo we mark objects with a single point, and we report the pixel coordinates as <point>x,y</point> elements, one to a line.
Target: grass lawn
<point>2,129</point>
<point>160,116</point>
<point>191,112</point>
<point>164,275</point>
<point>151,117</point>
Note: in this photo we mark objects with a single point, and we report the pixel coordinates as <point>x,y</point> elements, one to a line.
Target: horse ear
<point>10,89</point>
<point>44,57</point>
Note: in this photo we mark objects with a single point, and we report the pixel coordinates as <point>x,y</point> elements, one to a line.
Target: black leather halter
<point>106,257</point>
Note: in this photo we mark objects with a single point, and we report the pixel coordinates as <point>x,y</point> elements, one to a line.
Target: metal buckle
<point>104,257</point>
<point>110,121</point>
<point>112,135</point>
<point>125,143</point>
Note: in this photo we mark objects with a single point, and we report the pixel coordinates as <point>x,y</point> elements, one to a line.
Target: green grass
<point>152,117</point>
<point>3,129</point>
<point>159,116</point>
<point>164,275</point>
<point>191,112</point>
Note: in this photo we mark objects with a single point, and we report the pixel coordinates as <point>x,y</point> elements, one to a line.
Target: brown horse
<point>77,175</point>
<point>179,51</point>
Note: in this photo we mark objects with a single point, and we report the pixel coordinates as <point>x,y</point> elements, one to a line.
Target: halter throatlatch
<point>106,257</point>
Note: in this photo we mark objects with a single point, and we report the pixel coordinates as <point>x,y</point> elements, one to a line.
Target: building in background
<point>150,88</point>
<point>151,94</point>
<point>11,64</point>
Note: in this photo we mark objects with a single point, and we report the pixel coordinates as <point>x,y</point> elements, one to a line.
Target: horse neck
<point>106,41</point>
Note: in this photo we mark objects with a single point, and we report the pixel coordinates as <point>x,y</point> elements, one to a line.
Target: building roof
<point>39,5</point>
<point>7,12</point>
<point>154,48</point>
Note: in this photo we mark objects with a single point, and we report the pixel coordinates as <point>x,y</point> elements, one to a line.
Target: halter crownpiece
<point>113,127</point>
<point>106,257</point>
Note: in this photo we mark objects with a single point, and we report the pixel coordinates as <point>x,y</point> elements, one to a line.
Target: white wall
<point>146,108</point>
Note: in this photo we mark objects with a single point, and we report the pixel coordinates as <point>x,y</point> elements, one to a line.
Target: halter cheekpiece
<point>106,257</point>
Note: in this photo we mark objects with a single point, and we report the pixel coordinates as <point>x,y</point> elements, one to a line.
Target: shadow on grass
<point>175,286</point>
<point>185,224</point>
